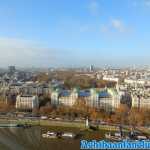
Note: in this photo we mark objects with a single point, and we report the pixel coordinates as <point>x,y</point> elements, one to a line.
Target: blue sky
<point>48,33</point>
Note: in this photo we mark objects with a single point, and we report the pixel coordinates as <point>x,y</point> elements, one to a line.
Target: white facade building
<point>108,99</point>
<point>134,81</point>
<point>55,97</point>
<point>140,102</point>
<point>27,102</point>
<point>69,99</point>
<point>111,78</point>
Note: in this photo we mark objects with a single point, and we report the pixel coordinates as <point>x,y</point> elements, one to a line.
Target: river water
<point>30,139</point>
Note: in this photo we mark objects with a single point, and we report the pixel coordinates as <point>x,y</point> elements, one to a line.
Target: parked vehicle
<point>44,117</point>
<point>68,135</point>
<point>58,119</point>
<point>116,136</point>
<point>141,137</point>
<point>49,135</point>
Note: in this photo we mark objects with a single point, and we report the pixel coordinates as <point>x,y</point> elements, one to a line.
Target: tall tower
<point>91,68</point>
<point>11,69</point>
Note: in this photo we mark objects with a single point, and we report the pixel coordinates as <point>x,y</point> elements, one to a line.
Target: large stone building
<point>27,102</point>
<point>139,101</point>
<point>107,99</point>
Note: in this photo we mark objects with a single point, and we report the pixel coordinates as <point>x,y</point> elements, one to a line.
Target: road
<point>67,123</point>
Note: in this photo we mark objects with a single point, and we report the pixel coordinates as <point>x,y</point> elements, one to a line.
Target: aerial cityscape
<point>81,102</point>
<point>74,74</point>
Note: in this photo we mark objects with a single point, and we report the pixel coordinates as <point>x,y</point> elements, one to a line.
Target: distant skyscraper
<point>91,68</point>
<point>11,69</point>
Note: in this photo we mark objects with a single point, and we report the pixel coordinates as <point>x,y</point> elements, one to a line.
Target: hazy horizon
<point>35,33</point>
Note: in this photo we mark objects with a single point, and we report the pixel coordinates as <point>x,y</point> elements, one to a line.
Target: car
<point>58,118</point>
<point>68,135</point>
<point>50,118</point>
<point>141,137</point>
<point>103,123</point>
<point>44,117</point>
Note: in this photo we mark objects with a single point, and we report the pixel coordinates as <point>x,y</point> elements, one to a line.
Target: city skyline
<point>74,33</point>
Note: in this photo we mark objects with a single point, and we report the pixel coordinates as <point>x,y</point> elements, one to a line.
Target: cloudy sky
<point>46,33</point>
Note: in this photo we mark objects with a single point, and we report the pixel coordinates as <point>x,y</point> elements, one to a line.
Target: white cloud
<point>27,53</point>
<point>118,25</point>
<point>94,7</point>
